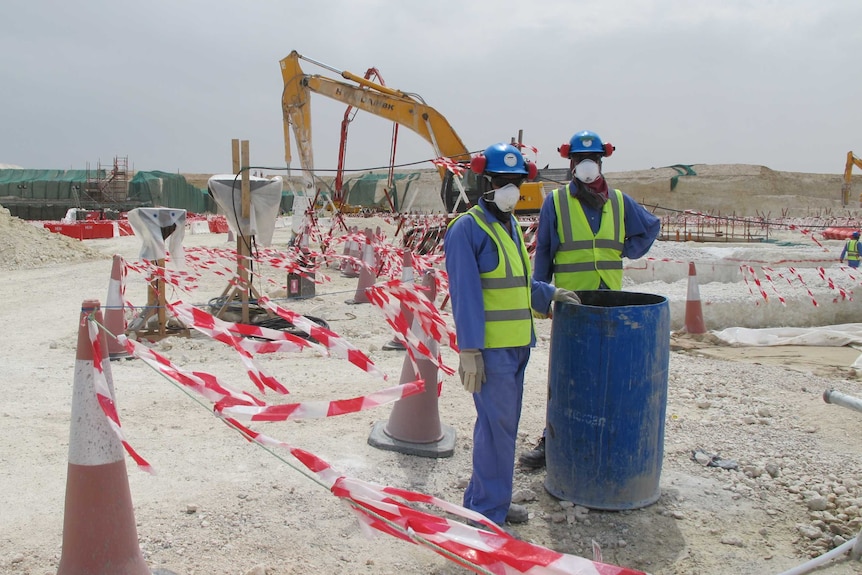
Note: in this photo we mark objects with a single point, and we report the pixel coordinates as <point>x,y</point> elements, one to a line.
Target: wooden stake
<point>234,145</point>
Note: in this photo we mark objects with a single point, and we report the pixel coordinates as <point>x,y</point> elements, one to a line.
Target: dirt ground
<point>221,505</point>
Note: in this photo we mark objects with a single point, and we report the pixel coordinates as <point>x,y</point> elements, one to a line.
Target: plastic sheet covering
<point>148,224</point>
<point>825,336</point>
<point>226,190</point>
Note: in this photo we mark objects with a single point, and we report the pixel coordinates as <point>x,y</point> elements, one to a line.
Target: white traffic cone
<point>115,314</point>
<point>414,426</point>
<point>406,277</point>
<point>99,533</point>
<point>349,268</point>
<point>367,273</point>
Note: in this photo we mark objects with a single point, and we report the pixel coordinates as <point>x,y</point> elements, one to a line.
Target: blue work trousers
<point>498,410</point>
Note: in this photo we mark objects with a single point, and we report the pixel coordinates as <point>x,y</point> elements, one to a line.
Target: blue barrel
<point>607,399</point>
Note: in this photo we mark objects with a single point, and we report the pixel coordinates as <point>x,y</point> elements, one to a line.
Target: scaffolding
<point>108,186</point>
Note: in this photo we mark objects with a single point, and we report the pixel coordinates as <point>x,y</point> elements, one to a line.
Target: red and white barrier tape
<point>381,508</point>
<point>219,330</point>
<point>766,274</point>
<point>388,510</point>
<point>334,343</point>
<point>832,285</point>
<point>802,281</point>
<point>104,396</point>
<point>450,165</point>
<point>204,384</point>
<point>531,148</point>
<point>318,409</point>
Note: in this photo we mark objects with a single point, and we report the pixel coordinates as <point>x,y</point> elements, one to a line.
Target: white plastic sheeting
<point>226,190</point>
<point>826,336</point>
<point>147,224</point>
<point>847,334</point>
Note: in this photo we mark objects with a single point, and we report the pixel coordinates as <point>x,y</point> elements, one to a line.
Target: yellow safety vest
<point>583,263</point>
<point>852,251</point>
<point>506,289</point>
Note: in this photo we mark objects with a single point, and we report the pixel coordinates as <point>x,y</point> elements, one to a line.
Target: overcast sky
<point>169,83</point>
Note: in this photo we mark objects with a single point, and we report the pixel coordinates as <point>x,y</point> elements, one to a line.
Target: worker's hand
<point>566,296</point>
<point>471,368</point>
<point>538,315</point>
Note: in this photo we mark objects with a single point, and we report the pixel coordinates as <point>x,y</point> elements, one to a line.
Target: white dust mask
<point>506,197</point>
<point>587,171</point>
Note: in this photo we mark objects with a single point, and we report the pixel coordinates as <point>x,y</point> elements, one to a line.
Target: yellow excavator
<point>852,160</point>
<point>458,192</point>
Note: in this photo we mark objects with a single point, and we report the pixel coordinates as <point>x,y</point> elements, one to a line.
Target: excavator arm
<point>405,109</point>
<point>852,160</point>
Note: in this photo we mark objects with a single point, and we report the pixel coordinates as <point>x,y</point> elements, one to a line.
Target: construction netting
<point>43,194</point>
<point>49,194</point>
<point>163,189</point>
<point>370,190</point>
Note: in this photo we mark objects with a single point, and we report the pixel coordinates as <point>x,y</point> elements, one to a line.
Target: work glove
<point>471,368</point>
<point>566,296</point>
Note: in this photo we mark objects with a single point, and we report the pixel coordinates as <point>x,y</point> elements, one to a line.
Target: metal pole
<point>842,399</point>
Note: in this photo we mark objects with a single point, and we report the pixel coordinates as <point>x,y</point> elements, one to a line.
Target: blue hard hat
<point>586,142</point>
<point>855,235</point>
<point>500,159</point>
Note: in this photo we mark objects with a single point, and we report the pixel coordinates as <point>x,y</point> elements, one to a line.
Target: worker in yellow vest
<point>585,230</point>
<point>493,295</point>
<point>851,251</point>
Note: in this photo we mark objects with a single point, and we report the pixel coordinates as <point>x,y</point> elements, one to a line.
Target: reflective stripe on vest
<point>506,289</point>
<point>584,263</point>
<point>852,250</point>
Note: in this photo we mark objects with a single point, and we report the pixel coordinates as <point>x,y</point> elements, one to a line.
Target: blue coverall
<point>470,251</point>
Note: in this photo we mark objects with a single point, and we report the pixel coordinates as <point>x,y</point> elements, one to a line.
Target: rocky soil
<point>759,473</point>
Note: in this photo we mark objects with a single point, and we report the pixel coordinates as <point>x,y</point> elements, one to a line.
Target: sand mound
<point>24,245</point>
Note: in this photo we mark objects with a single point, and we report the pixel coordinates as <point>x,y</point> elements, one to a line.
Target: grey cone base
<point>443,447</point>
<point>393,345</point>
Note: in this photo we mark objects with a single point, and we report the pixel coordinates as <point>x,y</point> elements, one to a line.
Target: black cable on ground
<point>260,317</point>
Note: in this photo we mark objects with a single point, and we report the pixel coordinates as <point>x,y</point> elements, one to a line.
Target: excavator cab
<point>449,191</point>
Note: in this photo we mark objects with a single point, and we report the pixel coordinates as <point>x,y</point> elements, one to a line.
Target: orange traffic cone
<point>115,316</point>
<point>367,273</point>
<point>693,312</point>
<point>99,534</point>
<point>406,277</point>
<point>414,426</point>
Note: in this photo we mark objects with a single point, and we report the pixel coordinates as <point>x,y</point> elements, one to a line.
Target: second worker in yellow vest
<point>585,230</point>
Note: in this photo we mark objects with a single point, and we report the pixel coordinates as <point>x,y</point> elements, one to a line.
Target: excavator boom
<point>852,160</point>
<point>405,109</point>
<point>402,108</point>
